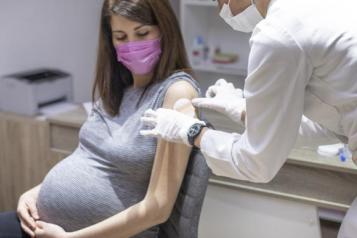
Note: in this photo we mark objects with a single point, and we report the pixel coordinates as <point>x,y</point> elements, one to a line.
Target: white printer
<point>26,92</point>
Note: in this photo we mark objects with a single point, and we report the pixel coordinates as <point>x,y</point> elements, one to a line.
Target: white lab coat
<point>303,61</point>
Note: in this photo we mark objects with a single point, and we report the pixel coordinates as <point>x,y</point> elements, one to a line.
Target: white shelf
<point>221,69</point>
<point>201,18</point>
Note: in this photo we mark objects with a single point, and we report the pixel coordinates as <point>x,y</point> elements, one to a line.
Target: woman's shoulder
<point>181,80</point>
<point>181,75</point>
<point>183,85</point>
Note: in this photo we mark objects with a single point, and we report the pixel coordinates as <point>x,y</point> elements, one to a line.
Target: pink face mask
<point>140,57</point>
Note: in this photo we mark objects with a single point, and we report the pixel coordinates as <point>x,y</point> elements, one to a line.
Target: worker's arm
<point>313,134</point>
<point>278,73</point>
<point>310,134</point>
<point>166,178</point>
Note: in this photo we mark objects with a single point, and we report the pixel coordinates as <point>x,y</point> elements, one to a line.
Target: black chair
<point>184,219</point>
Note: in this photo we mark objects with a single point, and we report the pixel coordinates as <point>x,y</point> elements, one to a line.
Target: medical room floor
<point>329,229</point>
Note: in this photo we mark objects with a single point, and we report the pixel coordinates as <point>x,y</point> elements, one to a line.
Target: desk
<point>306,178</point>
<point>23,156</point>
<point>64,130</point>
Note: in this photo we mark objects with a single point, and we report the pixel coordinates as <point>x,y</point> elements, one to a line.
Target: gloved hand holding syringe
<point>173,126</point>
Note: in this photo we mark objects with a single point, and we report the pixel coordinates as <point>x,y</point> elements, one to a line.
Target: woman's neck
<point>142,80</point>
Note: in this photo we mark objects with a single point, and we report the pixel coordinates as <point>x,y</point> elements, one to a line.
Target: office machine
<point>27,92</point>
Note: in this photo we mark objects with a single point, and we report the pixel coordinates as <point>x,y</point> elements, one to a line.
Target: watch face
<point>194,130</point>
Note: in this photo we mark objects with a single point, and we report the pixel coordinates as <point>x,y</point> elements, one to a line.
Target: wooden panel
<point>5,189</point>
<point>24,146</point>
<point>74,118</point>
<point>57,155</point>
<point>64,138</point>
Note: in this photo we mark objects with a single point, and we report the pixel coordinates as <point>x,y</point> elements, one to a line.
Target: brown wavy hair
<point>112,77</point>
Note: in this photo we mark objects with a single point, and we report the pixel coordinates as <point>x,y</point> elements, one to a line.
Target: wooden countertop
<point>309,156</point>
<point>306,177</point>
<point>74,118</point>
<point>306,157</point>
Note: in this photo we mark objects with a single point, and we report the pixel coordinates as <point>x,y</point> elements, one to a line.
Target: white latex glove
<point>171,125</point>
<point>223,97</point>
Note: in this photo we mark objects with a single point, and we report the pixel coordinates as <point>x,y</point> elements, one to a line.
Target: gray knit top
<point>111,167</point>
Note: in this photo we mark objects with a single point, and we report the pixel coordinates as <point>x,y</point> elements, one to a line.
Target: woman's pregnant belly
<point>79,192</point>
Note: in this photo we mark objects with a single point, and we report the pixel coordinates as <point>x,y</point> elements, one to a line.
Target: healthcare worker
<point>301,89</point>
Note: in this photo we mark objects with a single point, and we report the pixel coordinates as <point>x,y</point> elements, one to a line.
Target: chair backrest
<point>184,219</point>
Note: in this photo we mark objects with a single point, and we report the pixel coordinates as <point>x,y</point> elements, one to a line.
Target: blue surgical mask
<point>244,21</point>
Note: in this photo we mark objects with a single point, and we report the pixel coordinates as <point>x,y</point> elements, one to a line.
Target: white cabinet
<point>200,18</point>
<point>231,213</point>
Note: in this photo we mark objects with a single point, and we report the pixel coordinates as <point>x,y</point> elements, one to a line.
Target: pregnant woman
<point>118,183</point>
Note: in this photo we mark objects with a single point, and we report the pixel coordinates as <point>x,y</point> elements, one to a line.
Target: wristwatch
<point>195,131</point>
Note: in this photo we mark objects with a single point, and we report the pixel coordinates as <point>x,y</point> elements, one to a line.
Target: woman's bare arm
<point>167,174</point>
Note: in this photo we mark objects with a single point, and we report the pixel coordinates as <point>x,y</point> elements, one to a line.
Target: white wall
<point>176,6</point>
<point>51,33</point>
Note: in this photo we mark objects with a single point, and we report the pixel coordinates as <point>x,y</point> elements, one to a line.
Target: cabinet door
<point>56,156</point>
<point>24,146</point>
<point>5,189</point>
<point>232,213</point>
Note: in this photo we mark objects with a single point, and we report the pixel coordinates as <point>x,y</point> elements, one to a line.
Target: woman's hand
<point>47,230</point>
<point>27,211</point>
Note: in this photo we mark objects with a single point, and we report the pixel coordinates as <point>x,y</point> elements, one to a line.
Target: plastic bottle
<point>198,50</point>
<point>345,154</point>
